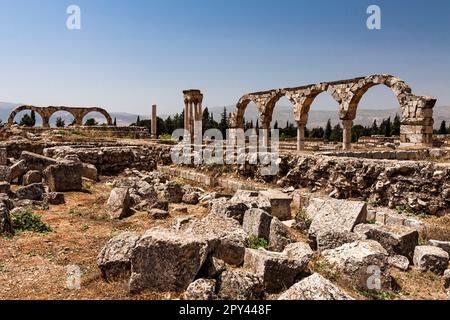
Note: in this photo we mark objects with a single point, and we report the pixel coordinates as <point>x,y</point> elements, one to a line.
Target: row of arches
<point>416,111</point>
<point>46,113</point>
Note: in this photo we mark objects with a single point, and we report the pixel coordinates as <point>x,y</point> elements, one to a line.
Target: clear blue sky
<point>131,54</point>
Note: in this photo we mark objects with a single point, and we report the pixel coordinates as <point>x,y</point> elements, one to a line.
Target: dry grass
<point>34,266</point>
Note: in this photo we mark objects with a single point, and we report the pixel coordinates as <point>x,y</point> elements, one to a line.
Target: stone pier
<point>193,115</point>
<point>154,123</point>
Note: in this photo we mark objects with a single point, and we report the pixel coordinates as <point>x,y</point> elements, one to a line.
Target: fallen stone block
<point>114,259</point>
<point>225,208</point>
<point>399,262</point>
<point>33,191</point>
<point>225,237</point>
<point>315,287</point>
<point>444,245</point>
<point>331,239</point>
<point>89,171</point>
<point>257,223</point>
<point>279,236</point>
<point>64,177</point>
<point>431,258</point>
<point>279,270</point>
<point>356,264</point>
<point>201,289</point>
<point>5,187</point>
<point>6,228</point>
<point>54,198</point>
<point>397,240</point>
<point>32,176</point>
<point>158,214</point>
<point>239,285</point>
<point>280,203</point>
<point>166,261</point>
<point>335,215</point>
<point>119,203</point>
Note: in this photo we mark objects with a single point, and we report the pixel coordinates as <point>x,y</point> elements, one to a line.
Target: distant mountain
<point>282,114</point>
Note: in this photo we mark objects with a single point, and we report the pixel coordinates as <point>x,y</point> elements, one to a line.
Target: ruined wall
<point>113,160</point>
<point>419,187</point>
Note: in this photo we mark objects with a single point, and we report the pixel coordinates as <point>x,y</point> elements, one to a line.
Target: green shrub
<point>256,243</point>
<point>27,221</point>
<point>166,137</point>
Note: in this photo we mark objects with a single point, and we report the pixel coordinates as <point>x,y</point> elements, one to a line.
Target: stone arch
<point>358,89</point>
<point>103,112</point>
<point>37,110</point>
<point>62,109</point>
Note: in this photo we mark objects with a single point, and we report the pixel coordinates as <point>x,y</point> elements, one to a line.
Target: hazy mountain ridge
<point>282,114</point>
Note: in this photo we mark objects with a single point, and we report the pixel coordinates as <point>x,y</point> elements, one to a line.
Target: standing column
<point>300,136</point>
<point>198,125</point>
<point>347,134</point>
<point>154,122</point>
<point>186,106</point>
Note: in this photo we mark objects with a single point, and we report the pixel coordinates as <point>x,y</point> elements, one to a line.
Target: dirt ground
<point>35,266</point>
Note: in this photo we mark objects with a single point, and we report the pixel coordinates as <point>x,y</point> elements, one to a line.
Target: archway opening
<point>94,118</point>
<point>283,119</point>
<point>61,119</point>
<point>377,114</point>
<point>324,124</point>
<point>28,118</point>
<point>251,117</point>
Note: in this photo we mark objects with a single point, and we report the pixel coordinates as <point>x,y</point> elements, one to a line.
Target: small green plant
<point>325,269</point>
<point>302,215</point>
<point>165,137</point>
<point>76,132</point>
<point>257,243</point>
<point>61,132</point>
<point>27,221</point>
<point>373,221</point>
<point>375,204</point>
<point>377,295</point>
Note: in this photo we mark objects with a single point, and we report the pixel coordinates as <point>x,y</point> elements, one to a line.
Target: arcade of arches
<point>416,116</point>
<point>47,112</point>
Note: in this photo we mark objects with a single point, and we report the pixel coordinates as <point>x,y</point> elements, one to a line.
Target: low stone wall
<point>113,160</point>
<point>401,155</point>
<point>409,186</point>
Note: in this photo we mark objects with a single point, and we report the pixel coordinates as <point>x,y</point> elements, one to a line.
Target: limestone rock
<point>158,214</point>
<point>240,285</point>
<point>279,236</point>
<point>356,262</point>
<point>114,259</point>
<point>32,176</point>
<point>431,258</point>
<point>89,171</point>
<point>33,191</point>
<point>257,223</point>
<point>171,192</point>
<point>280,203</point>
<point>166,261</point>
<point>119,203</point>
<point>201,289</point>
<point>5,187</point>
<point>331,239</point>
<point>399,262</point>
<point>6,228</point>
<point>397,240</point>
<point>226,239</point>
<point>279,270</point>
<point>191,198</point>
<point>444,245</point>
<point>226,208</point>
<point>54,198</point>
<point>315,287</point>
<point>63,177</point>
<point>447,282</point>
<point>335,215</point>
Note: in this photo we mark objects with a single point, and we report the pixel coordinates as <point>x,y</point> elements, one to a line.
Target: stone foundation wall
<point>401,155</point>
<point>113,160</point>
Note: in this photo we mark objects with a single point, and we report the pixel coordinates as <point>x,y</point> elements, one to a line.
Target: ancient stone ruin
<point>108,217</point>
<point>417,111</point>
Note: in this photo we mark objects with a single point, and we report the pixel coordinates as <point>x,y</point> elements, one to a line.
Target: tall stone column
<point>154,123</point>
<point>301,136</point>
<point>347,134</point>
<point>198,125</point>
<point>186,115</point>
